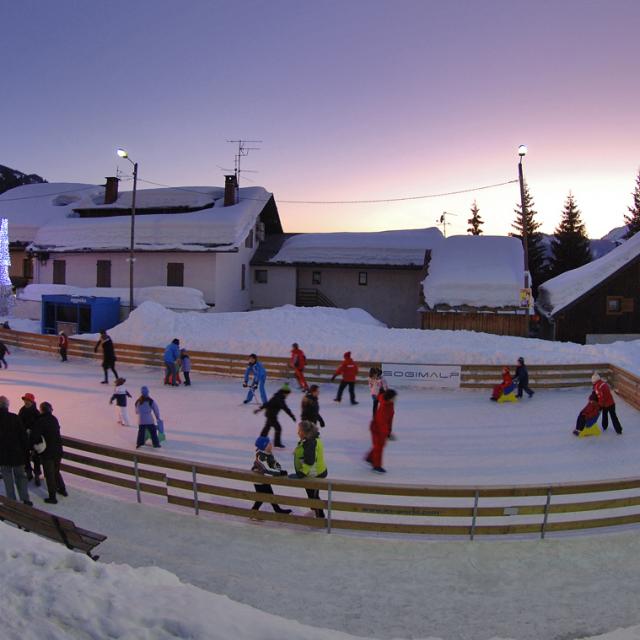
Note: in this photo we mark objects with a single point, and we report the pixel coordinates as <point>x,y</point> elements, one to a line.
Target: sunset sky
<point>352,100</point>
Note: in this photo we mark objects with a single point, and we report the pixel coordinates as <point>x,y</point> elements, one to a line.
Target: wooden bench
<point>50,526</point>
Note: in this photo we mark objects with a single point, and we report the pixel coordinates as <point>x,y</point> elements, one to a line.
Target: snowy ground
<point>563,588</point>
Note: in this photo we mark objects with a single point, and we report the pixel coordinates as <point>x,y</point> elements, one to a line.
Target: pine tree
<point>535,240</point>
<point>570,247</point>
<point>633,220</point>
<point>475,222</point>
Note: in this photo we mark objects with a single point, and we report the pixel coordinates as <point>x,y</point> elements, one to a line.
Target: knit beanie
<point>595,377</point>
<point>347,354</point>
<point>262,442</point>
<point>144,391</point>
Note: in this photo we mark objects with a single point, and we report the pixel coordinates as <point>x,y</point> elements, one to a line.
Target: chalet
<point>598,302</point>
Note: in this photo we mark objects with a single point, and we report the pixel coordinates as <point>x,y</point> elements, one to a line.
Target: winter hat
<point>119,381</point>
<point>45,407</point>
<point>144,391</point>
<point>262,442</point>
<point>29,396</point>
<point>595,377</point>
<point>175,341</point>
<point>505,369</point>
<point>253,355</point>
<point>521,360</point>
<point>347,354</point>
<point>286,388</point>
<point>295,345</point>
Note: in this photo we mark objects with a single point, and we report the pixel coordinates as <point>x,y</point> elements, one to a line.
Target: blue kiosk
<point>78,314</point>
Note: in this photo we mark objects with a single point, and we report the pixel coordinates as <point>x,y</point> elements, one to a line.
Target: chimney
<point>230,188</point>
<point>111,190</point>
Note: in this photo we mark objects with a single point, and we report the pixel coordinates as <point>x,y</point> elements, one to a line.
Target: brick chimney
<point>111,190</point>
<point>230,189</point>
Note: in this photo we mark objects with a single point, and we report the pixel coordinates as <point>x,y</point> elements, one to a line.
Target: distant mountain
<point>10,178</point>
<point>616,235</point>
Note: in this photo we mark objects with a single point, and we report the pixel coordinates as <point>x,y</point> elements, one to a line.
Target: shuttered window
<point>103,278</point>
<point>59,272</point>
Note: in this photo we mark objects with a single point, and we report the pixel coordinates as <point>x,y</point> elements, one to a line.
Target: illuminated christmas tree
<point>6,289</point>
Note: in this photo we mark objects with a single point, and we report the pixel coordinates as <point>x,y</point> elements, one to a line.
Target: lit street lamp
<point>123,154</point>
<point>522,152</point>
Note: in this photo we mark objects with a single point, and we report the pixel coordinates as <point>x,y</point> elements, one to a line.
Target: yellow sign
<point>525,298</point>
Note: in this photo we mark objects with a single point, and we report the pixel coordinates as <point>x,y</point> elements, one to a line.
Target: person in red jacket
<point>588,415</point>
<point>349,371</point>
<point>63,345</point>
<point>606,402</point>
<point>297,362</point>
<point>506,386</point>
<point>381,428</point>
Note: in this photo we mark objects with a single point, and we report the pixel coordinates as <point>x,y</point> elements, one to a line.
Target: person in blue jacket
<point>171,354</point>
<point>258,375</point>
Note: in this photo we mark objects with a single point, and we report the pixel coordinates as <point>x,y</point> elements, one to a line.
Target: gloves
<point>333,377</point>
<point>254,387</point>
<point>294,476</point>
<point>245,385</point>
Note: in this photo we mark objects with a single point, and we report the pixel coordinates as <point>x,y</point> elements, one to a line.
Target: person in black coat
<point>14,452</point>
<point>108,355</point>
<point>271,409</point>
<point>3,352</point>
<point>28,414</point>
<point>311,406</point>
<point>47,429</point>
<point>522,378</point>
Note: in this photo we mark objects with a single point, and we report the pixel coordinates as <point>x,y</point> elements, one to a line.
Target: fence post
<point>329,508</point>
<point>475,514</point>
<point>135,470</point>
<point>195,489</point>
<point>546,513</point>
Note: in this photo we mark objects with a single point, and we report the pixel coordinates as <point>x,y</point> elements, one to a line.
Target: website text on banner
<point>433,376</point>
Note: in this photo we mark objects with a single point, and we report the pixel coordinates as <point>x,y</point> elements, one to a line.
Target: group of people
<point>176,360</point>
<point>513,387</point>
<point>600,400</point>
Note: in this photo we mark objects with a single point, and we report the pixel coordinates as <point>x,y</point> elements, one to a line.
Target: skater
<point>14,452</point>
<point>606,402</point>
<point>521,378</point>
<point>267,465</point>
<point>120,395</point>
<point>63,345</point>
<point>171,355</point>
<point>146,409</point>
<point>258,374</point>
<point>349,371</point>
<point>308,460</point>
<point>377,384</point>
<point>277,403</point>
<point>4,350</point>
<point>298,362</point>
<point>505,391</point>
<point>381,428</point>
<point>28,414</point>
<point>47,431</point>
<point>310,406</point>
<point>185,364</point>
<point>588,414</point>
<point>108,355</point>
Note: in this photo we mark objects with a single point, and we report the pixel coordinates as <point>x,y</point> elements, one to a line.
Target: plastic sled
<point>508,394</point>
<point>593,430</point>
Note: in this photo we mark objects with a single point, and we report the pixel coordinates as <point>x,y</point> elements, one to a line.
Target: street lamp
<point>122,153</point>
<point>522,152</point>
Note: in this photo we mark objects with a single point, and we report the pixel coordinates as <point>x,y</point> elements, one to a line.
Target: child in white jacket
<point>120,395</point>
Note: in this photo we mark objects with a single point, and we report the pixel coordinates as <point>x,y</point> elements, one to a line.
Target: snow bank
<point>480,271</point>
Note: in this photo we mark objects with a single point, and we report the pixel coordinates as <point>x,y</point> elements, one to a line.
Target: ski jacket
<point>4,349</point>
<point>145,410</point>
<point>382,421</point>
<point>507,380</point>
<point>28,416</point>
<point>591,410</point>
<point>376,385</point>
<point>605,399</point>
<point>171,353</point>
<point>266,464</point>
<point>298,359</point>
<point>308,458</point>
<point>47,427</point>
<point>311,410</point>
<point>276,404</point>
<point>63,342</point>
<point>186,363</point>
<point>522,375</point>
<point>120,395</point>
<point>348,369</point>
<point>108,350</point>
<point>256,371</point>
<point>14,445</point>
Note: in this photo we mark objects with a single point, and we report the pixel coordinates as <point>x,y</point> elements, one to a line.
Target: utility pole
<point>243,150</point>
<point>443,221</point>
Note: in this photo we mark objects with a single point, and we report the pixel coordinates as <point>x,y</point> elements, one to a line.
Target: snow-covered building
<point>379,272</point>
<point>197,237</point>
<point>598,302</point>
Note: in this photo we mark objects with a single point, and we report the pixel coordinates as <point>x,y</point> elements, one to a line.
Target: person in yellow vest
<point>308,459</point>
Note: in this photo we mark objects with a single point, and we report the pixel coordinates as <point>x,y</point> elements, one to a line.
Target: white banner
<point>435,376</point>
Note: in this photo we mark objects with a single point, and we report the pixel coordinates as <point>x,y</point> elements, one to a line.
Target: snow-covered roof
<point>479,271</point>
<point>400,248</point>
<point>46,214</point>
<point>561,291</point>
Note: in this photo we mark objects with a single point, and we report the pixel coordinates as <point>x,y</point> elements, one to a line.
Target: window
<point>175,274</point>
<point>261,276</point>
<point>316,277</point>
<point>248,243</point>
<point>59,272</point>
<point>243,278</point>
<point>617,305</point>
<point>27,268</point>
<point>362,278</point>
<point>104,273</point>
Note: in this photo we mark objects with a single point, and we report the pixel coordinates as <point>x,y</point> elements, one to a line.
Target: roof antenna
<point>243,150</point>
<point>443,221</point>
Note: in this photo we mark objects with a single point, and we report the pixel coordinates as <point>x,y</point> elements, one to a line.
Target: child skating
<point>120,395</point>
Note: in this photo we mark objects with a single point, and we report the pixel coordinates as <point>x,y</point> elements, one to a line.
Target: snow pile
<point>170,297</point>
<point>406,247</point>
<point>557,293</point>
<point>180,197</point>
<point>480,271</point>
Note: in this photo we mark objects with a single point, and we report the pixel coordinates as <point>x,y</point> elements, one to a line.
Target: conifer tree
<point>535,239</point>
<point>475,222</point>
<point>633,220</point>
<point>570,247</point>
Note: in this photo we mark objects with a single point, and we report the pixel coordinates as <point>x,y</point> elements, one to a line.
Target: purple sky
<point>353,99</point>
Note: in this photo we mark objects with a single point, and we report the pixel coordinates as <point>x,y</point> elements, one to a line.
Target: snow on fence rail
<point>472,376</point>
<point>396,508</point>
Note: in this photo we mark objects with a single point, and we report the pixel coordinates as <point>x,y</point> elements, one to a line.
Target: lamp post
<point>522,152</point>
<point>122,153</point>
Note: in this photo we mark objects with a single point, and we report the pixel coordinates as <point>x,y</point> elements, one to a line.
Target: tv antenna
<point>243,151</point>
<point>443,221</point>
